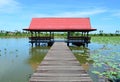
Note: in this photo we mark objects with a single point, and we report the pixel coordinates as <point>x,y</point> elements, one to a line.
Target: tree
<point>117,32</point>
<point>101,32</point>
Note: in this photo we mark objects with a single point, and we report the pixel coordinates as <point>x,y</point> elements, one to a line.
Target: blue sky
<point>17,14</point>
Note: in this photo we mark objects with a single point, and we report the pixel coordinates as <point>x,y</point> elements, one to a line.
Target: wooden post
<point>88,38</point>
<point>82,33</point>
<point>87,34</point>
<point>35,34</point>
<point>39,38</point>
<point>68,37</point>
<point>53,36</point>
<point>32,44</point>
<point>31,33</point>
<point>50,36</point>
<point>35,39</point>
<point>31,40</point>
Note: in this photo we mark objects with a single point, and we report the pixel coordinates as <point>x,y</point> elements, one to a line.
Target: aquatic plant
<point>37,54</point>
<point>16,56</point>
<point>106,40</point>
<point>5,49</point>
<point>109,63</point>
<point>16,50</point>
<point>82,54</point>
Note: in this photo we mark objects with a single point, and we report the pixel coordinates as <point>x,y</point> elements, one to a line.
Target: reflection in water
<point>18,59</point>
<point>104,52</point>
<point>82,55</point>
<point>36,56</point>
<point>13,56</point>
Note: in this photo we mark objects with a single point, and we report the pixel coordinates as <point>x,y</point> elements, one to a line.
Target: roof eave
<point>63,30</point>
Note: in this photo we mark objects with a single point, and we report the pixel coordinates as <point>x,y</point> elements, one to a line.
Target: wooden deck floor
<point>60,65</point>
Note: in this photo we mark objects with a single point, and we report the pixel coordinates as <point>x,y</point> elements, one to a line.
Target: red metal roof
<point>60,24</point>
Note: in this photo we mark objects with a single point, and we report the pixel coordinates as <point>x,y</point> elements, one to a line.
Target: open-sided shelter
<point>68,25</point>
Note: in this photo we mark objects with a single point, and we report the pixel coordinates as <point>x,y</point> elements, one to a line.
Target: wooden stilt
<point>68,37</point>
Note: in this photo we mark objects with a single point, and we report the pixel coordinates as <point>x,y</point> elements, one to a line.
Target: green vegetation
<point>37,54</point>
<point>107,58</point>
<point>111,66</point>
<point>106,39</point>
<point>101,33</point>
<point>82,58</point>
<point>18,34</point>
<point>82,55</point>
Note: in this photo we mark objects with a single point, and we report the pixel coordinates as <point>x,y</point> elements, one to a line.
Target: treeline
<point>14,34</point>
<point>105,34</point>
<point>56,34</point>
<point>101,33</point>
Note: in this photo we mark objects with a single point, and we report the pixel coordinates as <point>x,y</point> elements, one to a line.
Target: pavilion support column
<point>31,38</point>
<point>50,36</point>
<point>39,38</point>
<point>50,39</point>
<point>84,36</point>
<point>35,34</point>
<point>68,37</point>
<point>31,33</point>
<point>35,38</point>
<point>53,36</point>
<point>82,33</point>
<point>87,34</point>
<point>88,39</point>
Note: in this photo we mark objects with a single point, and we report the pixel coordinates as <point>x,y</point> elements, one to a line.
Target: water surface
<point>103,49</point>
<point>18,59</point>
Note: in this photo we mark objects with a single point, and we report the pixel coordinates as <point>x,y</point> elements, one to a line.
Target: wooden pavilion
<point>52,25</point>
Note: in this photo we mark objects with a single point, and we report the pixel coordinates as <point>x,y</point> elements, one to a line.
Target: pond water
<point>104,48</point>
<point>18,60</point>
<point>107,52</point>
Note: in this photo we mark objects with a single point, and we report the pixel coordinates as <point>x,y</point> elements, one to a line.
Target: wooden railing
<point>40,38</point>
<point>83,39</point>
<point>70,39</point>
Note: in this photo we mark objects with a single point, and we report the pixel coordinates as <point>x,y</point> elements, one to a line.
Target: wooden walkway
<point>60,65</point>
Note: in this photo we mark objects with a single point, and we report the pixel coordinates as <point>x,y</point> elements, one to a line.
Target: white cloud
<point>117,13</point>
<point>73,13</point>
<point>8,6</point>
<point>82,13</point>
<point>5,2</point>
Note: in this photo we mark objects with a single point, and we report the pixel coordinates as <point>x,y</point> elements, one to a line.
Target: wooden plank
<point>58,75</point>
<point>60,68</point>
<point>62,71</point>
<point>61,62</point>
<point>60,65</point>
<point>61,79</point>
